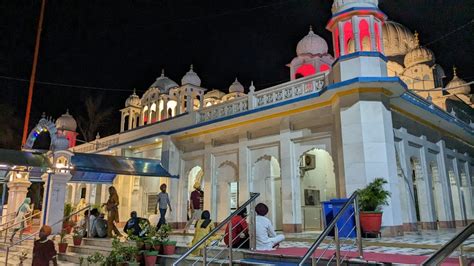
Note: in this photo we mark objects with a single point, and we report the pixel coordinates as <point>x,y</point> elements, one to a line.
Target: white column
<point>373,45</point>
<point>201,100</point>
<point>17,190</point>
<point>428,220</point>
<point>122,122</point>
<point>54,199</point>
<point>189,102</point>
<point>369,153</point>
<point>245,167</point>
<point>341,38</point>
<point>178,104</point>
<point>460,193</point>
<point>356,33</point>
<point>171,161</point>
<point>165,107</point>
<point>291,200</point>
<point>130,119</point>
<point>444,178</point>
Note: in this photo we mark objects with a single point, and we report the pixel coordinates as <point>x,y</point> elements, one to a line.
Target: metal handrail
<point>253,196</point>
<point>30,217</point>
<point>448,248</point>
<point>35,233</point>
<point>332,225</point>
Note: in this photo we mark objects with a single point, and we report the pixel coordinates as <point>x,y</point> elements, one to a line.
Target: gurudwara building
<point>373,107</point>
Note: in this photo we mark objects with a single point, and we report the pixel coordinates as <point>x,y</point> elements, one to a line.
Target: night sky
<point>123,44</point>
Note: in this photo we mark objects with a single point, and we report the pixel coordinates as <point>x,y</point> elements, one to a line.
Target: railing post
<point>358,229</point>
<point>6,256</point>
<point>204,255</point>
<point>338,245</point>
<point>231,242</point>
<point>252,229</point>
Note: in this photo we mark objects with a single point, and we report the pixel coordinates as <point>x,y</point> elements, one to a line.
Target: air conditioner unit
<point>308,162</point>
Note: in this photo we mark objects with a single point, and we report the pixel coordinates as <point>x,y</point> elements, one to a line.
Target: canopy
<point>98,168</point>
<point>11,158</point>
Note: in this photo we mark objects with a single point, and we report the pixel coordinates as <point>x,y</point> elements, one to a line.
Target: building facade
<point>373,109</point>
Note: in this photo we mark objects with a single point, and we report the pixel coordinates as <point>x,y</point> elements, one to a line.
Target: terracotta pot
<point>62,247</point>
<point>77,241</point>
<point>371,221</point>
<point>169,249</point>
<point>150,260</point>
<point>148,246</point>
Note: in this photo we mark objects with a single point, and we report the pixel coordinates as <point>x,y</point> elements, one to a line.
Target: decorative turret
<point>356,27</point>
<point>66,128</point>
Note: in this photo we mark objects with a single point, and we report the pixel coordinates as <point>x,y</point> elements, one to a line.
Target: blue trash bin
<point>346,224</point>
<point>327,215</point>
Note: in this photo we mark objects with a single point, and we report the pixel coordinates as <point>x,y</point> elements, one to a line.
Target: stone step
<point>71,257</point>
<point>98,242</point>
<point>89,250</point>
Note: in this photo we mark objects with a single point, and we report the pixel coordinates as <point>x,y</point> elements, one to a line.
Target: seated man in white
<point>266,237</point>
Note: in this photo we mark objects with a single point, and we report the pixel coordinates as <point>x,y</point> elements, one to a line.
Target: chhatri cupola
<point>356,27</point>
<point>66,128</point>
<point>311,56</point>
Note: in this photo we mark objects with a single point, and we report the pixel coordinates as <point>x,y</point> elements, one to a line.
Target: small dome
<point>163,83</point>
<point>312,44</point>
<point>397,39</point>
<point>340,5</point>
<point>236,87</point>
<point>61,143</point>
<point>191,78</point>
<point>133,100</point>
<point>66,122</point>
<point>418,55</point>
<point>458,85</point>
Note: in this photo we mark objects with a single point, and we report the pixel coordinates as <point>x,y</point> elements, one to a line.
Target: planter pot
<point>62,247</point>
<point>169,249</point>
<point>150,260</point>
<point>77,241</point>
<point>148,246</point>
<point>371,221</point>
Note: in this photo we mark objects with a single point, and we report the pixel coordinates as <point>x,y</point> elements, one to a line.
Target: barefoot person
<point>112,212</point>
<point>43,250</point>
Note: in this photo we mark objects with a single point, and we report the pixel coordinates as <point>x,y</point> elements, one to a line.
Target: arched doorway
<point>318,184</point>
<point>227,189</point>
<point>266,179</point>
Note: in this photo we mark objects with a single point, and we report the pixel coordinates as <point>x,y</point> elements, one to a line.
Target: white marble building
<point>340,122</point>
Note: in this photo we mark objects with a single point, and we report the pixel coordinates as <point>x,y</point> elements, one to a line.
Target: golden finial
<point>310,27</point>
<point>454,71</point>
<point>417,40</point>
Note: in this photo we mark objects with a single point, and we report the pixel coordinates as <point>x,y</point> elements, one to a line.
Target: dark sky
<point>124,44</point>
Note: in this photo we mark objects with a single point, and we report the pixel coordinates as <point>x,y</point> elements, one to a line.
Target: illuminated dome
<point>132,100</point>
<point>163,83</point>
<point>191,78</point>
<point>418,55</point>
<point>397,39</point>
<point>236,87</point>
<point>66,122</point>
<point>459,84</point>
<point>340,5</point>
<point>312,44</point>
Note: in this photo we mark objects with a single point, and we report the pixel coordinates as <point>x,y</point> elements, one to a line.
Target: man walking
<point>196,204</point>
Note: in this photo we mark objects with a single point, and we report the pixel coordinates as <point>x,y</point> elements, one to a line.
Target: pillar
<point>165,107</point>
<point>428,212</point>
<point>444,178</point>
<point>189,102</point>
<point>171,161</point>
<point>54,199</point>
<point>17,190</point>
<point>369,153</point>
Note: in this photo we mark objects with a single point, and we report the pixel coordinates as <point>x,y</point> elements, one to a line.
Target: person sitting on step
<point>266,237</point>
<point>136,226</point>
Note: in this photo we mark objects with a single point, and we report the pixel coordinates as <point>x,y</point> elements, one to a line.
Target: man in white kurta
<point>266,237</point>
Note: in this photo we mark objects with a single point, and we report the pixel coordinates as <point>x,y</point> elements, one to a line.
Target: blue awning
<point>98,168</point>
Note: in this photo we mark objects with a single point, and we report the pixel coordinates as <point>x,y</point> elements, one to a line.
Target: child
<point>163,204</point>
<point>43,250</point>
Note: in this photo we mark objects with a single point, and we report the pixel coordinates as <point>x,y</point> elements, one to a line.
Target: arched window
<point>348,35</point>
<point>378,37</point>
<point>305,70</point>
<point>324,67</point>
<point>364,35</point>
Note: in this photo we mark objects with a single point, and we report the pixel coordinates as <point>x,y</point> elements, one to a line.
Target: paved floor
<point>425,242</point>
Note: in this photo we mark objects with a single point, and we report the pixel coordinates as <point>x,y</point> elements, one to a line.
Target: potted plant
<point>371,199</point>
<point>96,259</point>
<point>78,233</point>
<point>22,257</point>
<point>62,245</point>
<point>122,254</point>
<point>68,224</point>
<point>163,236</point>
<point>150,257</point>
